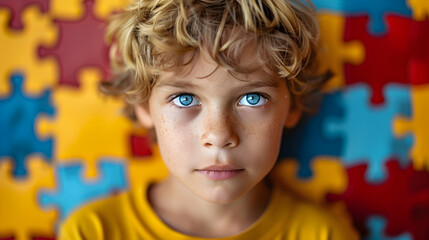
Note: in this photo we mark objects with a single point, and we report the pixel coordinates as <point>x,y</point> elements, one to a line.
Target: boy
<point>217,81</point>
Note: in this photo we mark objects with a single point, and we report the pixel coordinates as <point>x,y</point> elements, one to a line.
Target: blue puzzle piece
<point>375,9</point>
<point>377,225</point>
<point>367,130</point>
<point>73,191</point>
<point>17,116</point>
<point>306,140</point>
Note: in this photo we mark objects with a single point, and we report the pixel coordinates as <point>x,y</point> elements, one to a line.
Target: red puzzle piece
<point>419,64</point>
<point>140,146</point>
<point>7,238</point>
<point>81,44</point>
<point>16,7</point>
<point>419,181</point>
<point>386,57</point>
<point>405,207</point>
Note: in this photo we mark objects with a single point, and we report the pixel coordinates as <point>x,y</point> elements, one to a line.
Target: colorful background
<point>63,144</point>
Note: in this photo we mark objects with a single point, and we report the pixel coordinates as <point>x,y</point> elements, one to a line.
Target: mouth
<point>220,172</point>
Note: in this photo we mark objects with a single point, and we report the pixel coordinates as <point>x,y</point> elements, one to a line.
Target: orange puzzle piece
<point>18,50</point>
<point>88,124</point>
<point>420,9</point>
<point>418,125</point>
<point>334,52</point>
<point>330,176</point>
<point>20,215</point>
<point>74,9</point>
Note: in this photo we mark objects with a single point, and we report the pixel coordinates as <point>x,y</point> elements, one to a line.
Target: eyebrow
<point>257,84</point>
<point>177,85</point>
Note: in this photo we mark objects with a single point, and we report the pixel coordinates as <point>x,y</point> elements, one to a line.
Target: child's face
<point>218,136</point>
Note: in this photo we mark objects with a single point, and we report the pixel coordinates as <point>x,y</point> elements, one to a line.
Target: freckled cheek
<point>174,135</point>
<point>264,138</point>
<point>169,129</point>
<point>264,126</point>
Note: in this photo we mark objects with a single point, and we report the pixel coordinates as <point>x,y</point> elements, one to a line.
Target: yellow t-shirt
<point>129,216</point>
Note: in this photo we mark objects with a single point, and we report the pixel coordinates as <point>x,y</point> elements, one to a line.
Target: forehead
<point>249,68</point>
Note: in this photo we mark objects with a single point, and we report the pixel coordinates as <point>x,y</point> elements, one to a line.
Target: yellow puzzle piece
<point>67,10</point>
<point>334,52</point>
<point>418,125</point>
<point>148,168</point>
<point>75,9</point>
<point>420,9</point>
<point>104,8</point>
<point>88,125</point>
<point>20,215</point>
<point>18,50</point>
<point>329,177</point>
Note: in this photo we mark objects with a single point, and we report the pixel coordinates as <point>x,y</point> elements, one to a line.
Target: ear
<point>143,115</point>
<point>293,117</point>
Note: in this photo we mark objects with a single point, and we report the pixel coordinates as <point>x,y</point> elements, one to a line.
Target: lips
<point>220,168</point>
<point>220,172</point>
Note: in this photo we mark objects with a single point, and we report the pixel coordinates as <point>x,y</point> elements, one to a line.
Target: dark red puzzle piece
<point>419,64</point>
<point>43,238</point>
<point>405,209</point>
<point>7,238</point>
<point>140,146</point>
<point>16,7</point>
<point>386,57</point>
<point>81,44</point>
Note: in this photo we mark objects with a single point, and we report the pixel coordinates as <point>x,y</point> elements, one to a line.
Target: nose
<point>219,131</point>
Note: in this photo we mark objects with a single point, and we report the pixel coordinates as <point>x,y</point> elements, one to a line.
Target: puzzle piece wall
<point>365,149</point>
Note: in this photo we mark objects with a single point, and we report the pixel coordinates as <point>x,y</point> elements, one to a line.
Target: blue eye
<point>186,100</point>
<point>252,99</point>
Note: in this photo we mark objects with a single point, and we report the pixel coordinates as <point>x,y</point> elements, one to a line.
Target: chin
<point>220,195</point>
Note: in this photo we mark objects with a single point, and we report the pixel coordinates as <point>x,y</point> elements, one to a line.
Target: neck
<point>185,212</point>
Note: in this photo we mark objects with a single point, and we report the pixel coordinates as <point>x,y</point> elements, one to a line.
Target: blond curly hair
<point>154,35</point>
